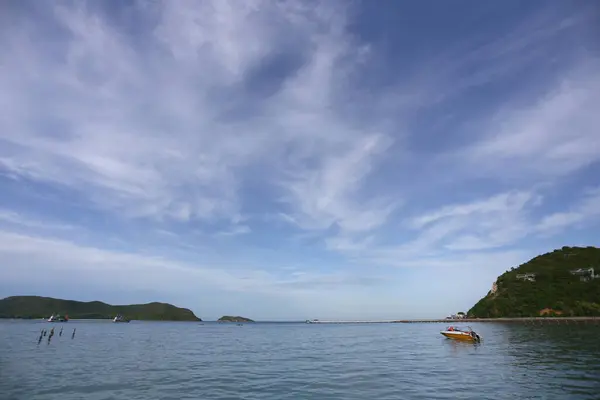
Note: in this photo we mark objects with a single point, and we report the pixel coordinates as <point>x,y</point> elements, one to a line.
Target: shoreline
<point>507,319</point>
<point>464,320</point>
<point>93,320</point>
<point>334,322</point>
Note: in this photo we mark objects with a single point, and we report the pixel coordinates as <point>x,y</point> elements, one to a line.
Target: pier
<point>534,320</point>
<point>353,322</point>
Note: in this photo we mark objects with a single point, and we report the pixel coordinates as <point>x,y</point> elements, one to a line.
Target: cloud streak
<point>554,136</point>
<point>584,212</point>
<point>142,130</point>
<point>14,218</point>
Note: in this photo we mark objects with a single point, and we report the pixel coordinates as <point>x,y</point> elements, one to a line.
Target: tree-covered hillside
<point>43,307</point>
<point>551,289</point>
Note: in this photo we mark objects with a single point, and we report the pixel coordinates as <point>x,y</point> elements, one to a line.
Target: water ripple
<point>296,361</point>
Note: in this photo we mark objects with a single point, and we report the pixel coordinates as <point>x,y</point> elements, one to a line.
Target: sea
<point>189,360</point>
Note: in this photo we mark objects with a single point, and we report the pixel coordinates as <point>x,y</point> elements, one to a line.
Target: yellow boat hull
<point>459,336</point>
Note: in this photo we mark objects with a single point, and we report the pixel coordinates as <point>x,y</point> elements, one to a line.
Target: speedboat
<point>119,318</point>
<point>58,318</point>
<point>458,333</point>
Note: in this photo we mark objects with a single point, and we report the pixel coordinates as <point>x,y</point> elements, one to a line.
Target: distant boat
<point>58,318</point>
<point>119,318</point>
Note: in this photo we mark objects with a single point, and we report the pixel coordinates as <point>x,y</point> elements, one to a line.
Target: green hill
<point>227,318</point>
<point>555,288</point>
<point>42,307</point>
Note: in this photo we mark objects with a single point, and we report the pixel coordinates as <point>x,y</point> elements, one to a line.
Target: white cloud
<point>554,135</point>
<point>327,194</point>
<point>33,257</point>
<point>349,244</point>
<point>498,203</point>
<point>490,56</point>
<point>14,218</point>
<point>304,290</point>
<point>25,255</point>
<point>585,211</point>
<point>145,125</point>
<point>237,230</point>
<point>496,221</point>
<point>453,235</point>
<point>405,257</point>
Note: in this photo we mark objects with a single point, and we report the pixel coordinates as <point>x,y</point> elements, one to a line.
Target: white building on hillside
<point>585,274</point>
<point>527,277</point>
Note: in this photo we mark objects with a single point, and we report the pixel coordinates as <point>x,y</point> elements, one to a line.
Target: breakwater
<point>525,320</point>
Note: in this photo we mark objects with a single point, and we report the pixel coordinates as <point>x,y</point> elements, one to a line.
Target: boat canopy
<point>459,328</point>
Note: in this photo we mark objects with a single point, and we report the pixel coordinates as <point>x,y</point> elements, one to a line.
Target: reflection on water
<point>297,361</point>
<point>458,346</point>
<point>574,350</point>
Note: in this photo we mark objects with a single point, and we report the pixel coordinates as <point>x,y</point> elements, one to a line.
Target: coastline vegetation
<point>36,307</point>
<point>562,283</point>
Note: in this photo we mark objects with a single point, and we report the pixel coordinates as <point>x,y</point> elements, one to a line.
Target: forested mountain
<point>43,307</point>
<point>565,282</point>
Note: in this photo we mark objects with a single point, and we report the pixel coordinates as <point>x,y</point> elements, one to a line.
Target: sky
<point>287,160</point>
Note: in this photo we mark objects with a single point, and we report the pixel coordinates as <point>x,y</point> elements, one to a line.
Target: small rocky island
<point>228,318</point>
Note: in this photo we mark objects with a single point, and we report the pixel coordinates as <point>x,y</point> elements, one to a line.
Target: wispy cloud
<point>14,218</point>
<point>140,129</point>
<point>584,212</point>
<point>456,234</point>
<point>471,227</point>
<point>35,258</point>
<point>328,193</point>
<point>499,203</point>
<point>556,135</point>
<point>238,230</point>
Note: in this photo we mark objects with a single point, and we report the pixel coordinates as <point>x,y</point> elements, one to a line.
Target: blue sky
<point>291,160</point>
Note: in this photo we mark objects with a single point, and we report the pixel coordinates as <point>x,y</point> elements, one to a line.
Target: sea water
<point>184,360</point>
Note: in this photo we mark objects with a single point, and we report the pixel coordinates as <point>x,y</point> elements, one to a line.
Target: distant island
<point>35,307</point>
<point>565,282</point>
<point>227,318</point>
